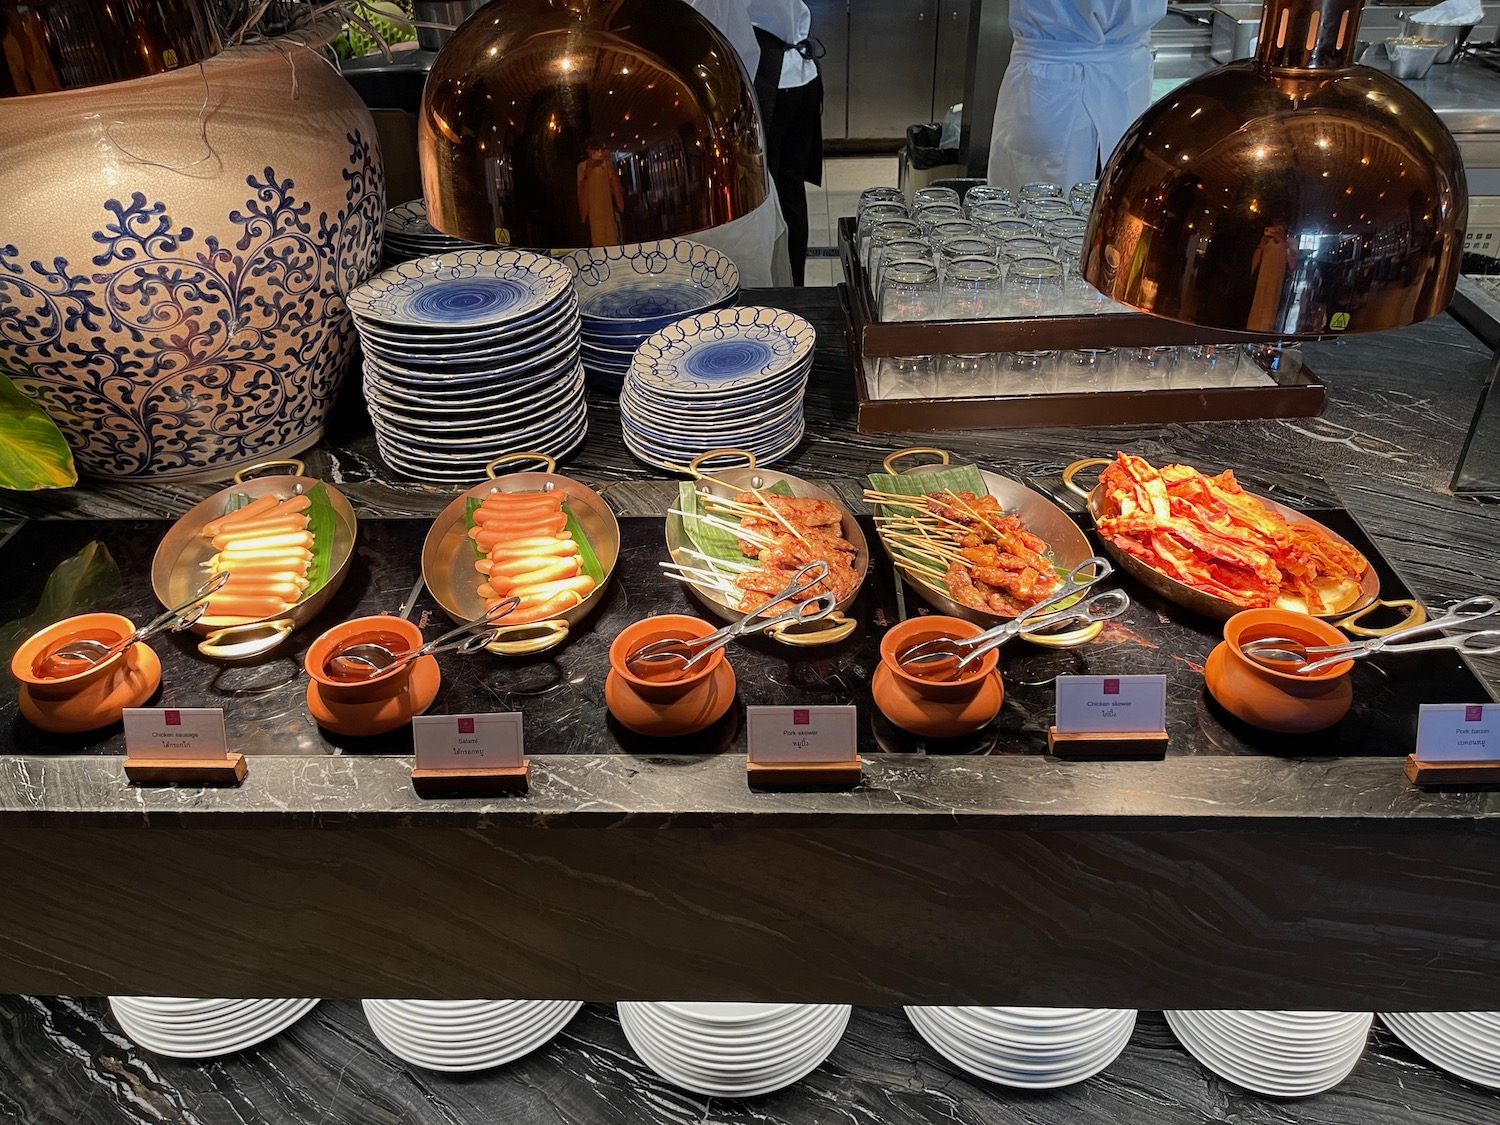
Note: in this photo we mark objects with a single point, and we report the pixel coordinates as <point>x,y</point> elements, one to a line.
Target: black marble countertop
<point>1399,403</point>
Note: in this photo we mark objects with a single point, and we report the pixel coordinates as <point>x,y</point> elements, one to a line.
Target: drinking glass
<point>872,213</point>
<point>992,211</point>
<point>1040,189</point>
<point>1014,249</point>
<point>882,195</point>
<point>1149,369</point>
<point>1088,369</point>
<point>936,213</point>
<point>966,376</point>
<point>906,376</point>
<point>1207,365</point>
<point>883,232</point>
<point>923,196</point>
<point>1025,373</point>
<point>897,250</point>
<point>1011,228</point>
<point>1081,196</point>
<point>987,193</point>
<point>1032,287</point>
<point>1043,209</point>
<point>972,289</point>
<point>1065,226</point>
<point>949,227</point>
<point>1079,296</point>
<point>1275,359</point>
<point>977,245</point>
<point>909,291</point>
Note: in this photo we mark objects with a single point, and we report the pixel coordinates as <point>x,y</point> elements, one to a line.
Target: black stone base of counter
<point>63,1062</point>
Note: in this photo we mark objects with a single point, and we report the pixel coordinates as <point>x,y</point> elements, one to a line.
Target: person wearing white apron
<point>1079,76</point>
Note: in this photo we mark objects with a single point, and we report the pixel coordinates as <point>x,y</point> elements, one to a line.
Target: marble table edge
<point>710,791</point>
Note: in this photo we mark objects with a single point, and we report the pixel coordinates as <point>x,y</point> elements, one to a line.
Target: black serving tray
<point>561,693</point>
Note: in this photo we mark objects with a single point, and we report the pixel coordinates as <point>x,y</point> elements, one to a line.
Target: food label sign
<point>179,734</point>
<point>1458,732</point>
<point>468,742</point>
<point>779,735</point>
<point>1111,704</point>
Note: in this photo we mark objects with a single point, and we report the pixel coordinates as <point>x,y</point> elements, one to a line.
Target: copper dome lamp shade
<point>566,123</point>
<point>1292,195</point>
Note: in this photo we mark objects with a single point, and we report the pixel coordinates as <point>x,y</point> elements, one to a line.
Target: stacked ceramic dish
<point>459,1035</point>
<point>1039,1048</point>
<point>627,293</point>
<point>727,378</point>
<point>470,355</point>
<point>192,1028</point>
<point>1463,1043</point>
<point>733,1050</point>
<point>409,235</point>
<point>1284,1054</point>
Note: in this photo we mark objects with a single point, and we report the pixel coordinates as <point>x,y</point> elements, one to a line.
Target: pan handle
<point>827,631</point>
<point>1070,639</point>
<point>1415,615</point>
<point>260,637</point>
<point>702,457</point>
<point>530,638</point>
<point>548,462</point>
<point>889,464</point>
<point>298,468</point>
<point>1077,467</point>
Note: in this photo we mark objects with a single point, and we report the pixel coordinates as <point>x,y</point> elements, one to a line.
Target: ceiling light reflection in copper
<point>1279,147</point>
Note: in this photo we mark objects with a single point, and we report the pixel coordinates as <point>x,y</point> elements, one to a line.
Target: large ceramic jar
<point>174,254</point>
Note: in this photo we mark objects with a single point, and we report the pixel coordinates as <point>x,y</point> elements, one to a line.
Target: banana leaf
<point>715,542</point>
<point>88,581</point>
<point>323,522</point>
<point>952,478</point>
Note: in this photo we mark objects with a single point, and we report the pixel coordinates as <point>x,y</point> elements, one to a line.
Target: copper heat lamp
<point>1293,194</point>
<point>565,123</point>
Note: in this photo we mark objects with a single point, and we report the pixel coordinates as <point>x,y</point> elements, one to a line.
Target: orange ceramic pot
<point>95,697</point>
<point>933,708</point>
<point>380,703</point>
<point>1278,701</point>
<point>667,708</point>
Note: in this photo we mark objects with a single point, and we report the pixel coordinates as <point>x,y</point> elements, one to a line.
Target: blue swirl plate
<point>623,289</point>
<point>723,353</point>
<point>465,289</point>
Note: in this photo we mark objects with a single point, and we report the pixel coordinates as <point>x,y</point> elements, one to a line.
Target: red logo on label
<point>173,718</point>
<point>801,716</point>
<point>1111,687</point>
<point>466,724</point>
<point>1474,713</point>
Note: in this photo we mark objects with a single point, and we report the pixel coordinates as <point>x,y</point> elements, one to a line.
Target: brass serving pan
<point>177,568</point>
<point>448,554</point>
<point>1217,608</point>
<point>727,482</point>
<point>1067,546</point>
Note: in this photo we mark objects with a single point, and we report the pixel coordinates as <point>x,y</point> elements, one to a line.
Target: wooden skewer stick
<point>724,525</point>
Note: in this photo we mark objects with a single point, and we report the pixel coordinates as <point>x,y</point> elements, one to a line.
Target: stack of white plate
<point>1463,1043</point>
<point>470,355</point>
<point>1284,1054</point>
<point>409,235</point>
<point>628,293</point>
<point>192,1028</point>
<point>728,378</point>
<point>458,1035</point>
<point>1039,1048</point>
<point>733,1050</point>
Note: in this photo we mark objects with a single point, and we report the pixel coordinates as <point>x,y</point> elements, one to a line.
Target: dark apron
<point>768,82</point>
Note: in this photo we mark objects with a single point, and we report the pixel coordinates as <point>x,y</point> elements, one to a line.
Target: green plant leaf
<point>716,542</point>
<point>586,557</point>
<point>90,580</point>
<point>469,521</point>
<point>33,452</point>
<point>323,522</point>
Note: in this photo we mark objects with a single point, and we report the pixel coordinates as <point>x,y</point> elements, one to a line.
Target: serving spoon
<point>370,658</point>
<point>1275,650</point>
<point>88,652</point>
<point>690,650</point>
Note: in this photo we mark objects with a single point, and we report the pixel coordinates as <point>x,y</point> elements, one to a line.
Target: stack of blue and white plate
<point>465,1035</point>
<point>468,356</point>
<point>731,378</point>
<point>627,293</point>
<point>201,1028</point>
<point>1033,1048</point>
<point>733,1050</point>
<point>409,235</point>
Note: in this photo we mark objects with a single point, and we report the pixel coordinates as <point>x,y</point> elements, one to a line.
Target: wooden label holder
<point>169,771</point>
<point>1440,775</point>
<point>1106,747</point>
<point>472,783</point>
<point>786,775</point>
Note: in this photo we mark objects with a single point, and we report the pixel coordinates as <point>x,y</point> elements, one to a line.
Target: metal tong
<point>175,620</point>
<point>1272,651</point>
<point>690,650</point>
<point>376,660</point>
<point>1043,614</point>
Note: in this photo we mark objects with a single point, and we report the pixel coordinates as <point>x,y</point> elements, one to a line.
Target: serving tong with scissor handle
<point>1044,614</point>
<point>1273,651</point>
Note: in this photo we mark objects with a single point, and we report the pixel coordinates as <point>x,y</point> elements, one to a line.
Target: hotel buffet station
<point>479,656</point>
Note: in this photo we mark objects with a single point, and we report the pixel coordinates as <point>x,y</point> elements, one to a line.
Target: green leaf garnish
<point>323,522</point>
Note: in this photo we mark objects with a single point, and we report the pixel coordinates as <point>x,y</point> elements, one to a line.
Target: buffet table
<point>1235,880</point>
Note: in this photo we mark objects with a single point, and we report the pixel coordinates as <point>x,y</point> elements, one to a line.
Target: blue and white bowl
<point>627,293</point>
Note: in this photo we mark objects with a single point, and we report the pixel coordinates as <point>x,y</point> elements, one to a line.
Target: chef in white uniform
<point>1079,76</point>
<point>757,242</point>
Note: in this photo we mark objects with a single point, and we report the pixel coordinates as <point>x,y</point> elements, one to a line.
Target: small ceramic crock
<point>919,629</point>
<point>667,708</point>
<point>106,627</point>
<point>933,708</point>
<point>94,697</point>
<point>386,685</point>
<point>1279,701</point>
